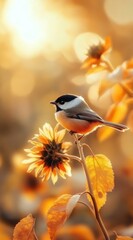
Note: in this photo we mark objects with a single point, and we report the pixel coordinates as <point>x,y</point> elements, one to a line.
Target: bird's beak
<point>53,102</point>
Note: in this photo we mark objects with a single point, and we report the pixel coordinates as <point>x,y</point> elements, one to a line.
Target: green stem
<point>97,215</point>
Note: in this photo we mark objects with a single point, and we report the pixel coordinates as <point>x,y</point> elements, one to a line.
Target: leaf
<point>72,203</point>
<point>123,238</point>
<point>24,229</point>
<point>74,232</point>
<point>101,177</point>
<point>80,232</point>
<point>116,113</point>
<point>118,93</point>
<point>122,89</point>
<point>60,211</point>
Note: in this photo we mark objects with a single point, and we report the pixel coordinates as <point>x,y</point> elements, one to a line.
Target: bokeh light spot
<point>119,11</point>
<point>22,83</point>
<point>126,142</point>
<point>1,161</point>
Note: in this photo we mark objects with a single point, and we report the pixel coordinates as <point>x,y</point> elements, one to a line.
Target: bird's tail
<point>117,126</point>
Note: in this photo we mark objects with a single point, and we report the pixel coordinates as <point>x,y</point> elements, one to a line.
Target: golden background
<point>39,61</point>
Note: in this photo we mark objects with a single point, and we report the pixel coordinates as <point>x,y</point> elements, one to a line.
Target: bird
<point>74,114</point>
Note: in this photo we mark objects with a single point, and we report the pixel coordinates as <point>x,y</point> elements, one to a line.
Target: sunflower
<point>95,57</point>
<point>47,156</point>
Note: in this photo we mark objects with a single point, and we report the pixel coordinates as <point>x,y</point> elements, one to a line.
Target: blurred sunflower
<point>95,57</point>
<point>44,156</point>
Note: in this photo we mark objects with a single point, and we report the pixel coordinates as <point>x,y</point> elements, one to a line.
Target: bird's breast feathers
<point>76,124</point>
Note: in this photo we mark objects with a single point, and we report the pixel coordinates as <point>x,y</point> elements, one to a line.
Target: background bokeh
<point>39,60</point>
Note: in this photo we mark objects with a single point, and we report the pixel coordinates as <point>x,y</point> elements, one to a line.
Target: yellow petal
<point>41,131</point>
<point>34,155</point>
<point>48,131</point>
<point>56,128</point>
<point>32,167</point>
<point>54,176</point>
<point>35,136</point>
<point>38,170</point>
<point>28,161</point>
<point>47,174</point>
<point>107,44</point>
<point>33,142</point>
<point>62,174</point>
<point>42,174</point>
<point>60,135</point>
<point>66,146</point>
<point>62,167</point>
<point>27,150</point>
<point>68,169</point>
<point>43,139</point>
<point>37,149</point>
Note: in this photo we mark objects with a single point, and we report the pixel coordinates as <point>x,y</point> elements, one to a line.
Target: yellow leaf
<point>120,90</point>
<point>76,232</point>
<point>130,64</point>
<point>24,229</point>
<point>60,211</point>
<point>118,93</point>
<point>101,177</point>
<point>45,205</point>
<point>123,238</point>
<point>116,113</point>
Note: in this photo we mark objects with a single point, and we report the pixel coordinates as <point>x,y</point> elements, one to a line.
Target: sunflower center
<point>96,51</point>
<point>49,154</point>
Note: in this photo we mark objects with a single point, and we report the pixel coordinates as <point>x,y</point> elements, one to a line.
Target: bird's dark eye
<point>62,102</point>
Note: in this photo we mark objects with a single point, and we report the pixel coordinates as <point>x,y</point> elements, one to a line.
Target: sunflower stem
<point>97,214</point>
<point>108,63</point>
<point>72,157</point>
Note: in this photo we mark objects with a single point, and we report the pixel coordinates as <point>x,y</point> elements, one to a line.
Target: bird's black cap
<point>65,98</point>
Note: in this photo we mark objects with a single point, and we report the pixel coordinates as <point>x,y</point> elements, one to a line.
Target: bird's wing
<point>87,115</point>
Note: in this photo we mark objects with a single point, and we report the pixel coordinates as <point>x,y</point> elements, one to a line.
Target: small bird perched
<point>74,114</point>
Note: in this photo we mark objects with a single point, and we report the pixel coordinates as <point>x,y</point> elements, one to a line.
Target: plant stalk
<point>72,157</point>
<point>97,215</point>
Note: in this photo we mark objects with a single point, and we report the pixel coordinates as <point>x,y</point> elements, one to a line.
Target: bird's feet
<point>71,132</point>
<point>80,137</point>
<point>77,137</point>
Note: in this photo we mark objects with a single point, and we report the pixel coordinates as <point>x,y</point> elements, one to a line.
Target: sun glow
<point>33,28</point>
<point>23,21</point>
